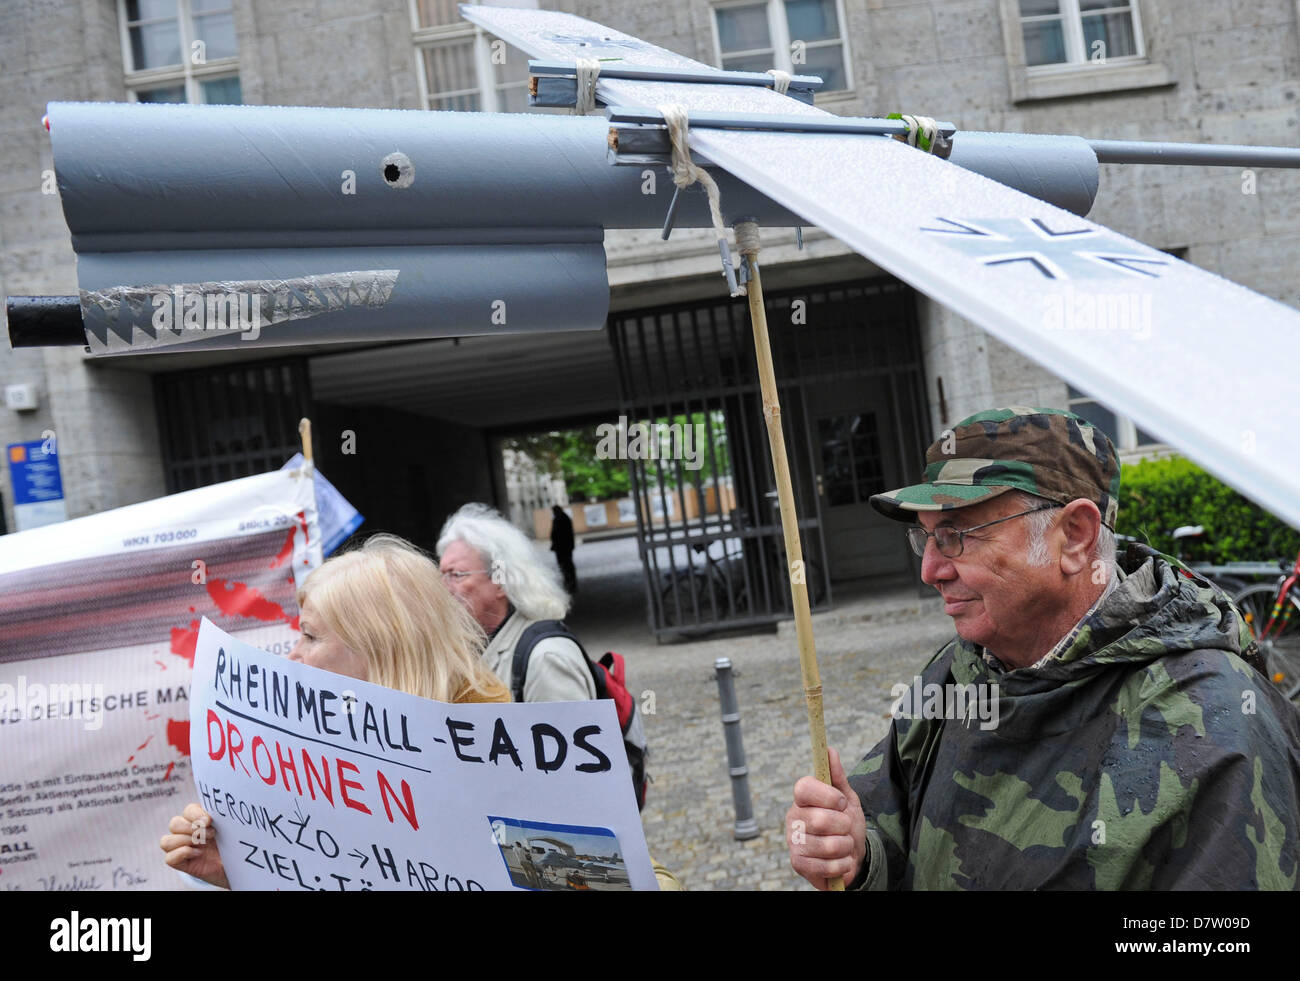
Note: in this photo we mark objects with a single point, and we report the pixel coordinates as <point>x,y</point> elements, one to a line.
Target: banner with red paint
<point>99,618</point>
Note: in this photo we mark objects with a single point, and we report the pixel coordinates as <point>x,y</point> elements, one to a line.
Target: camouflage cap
<point>1047,452</point>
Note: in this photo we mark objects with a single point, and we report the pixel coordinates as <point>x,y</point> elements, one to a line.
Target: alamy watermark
<point>38,701</point>
<point>99,934</point>
<point>960,703</point>
<point>1071,309</point>
<point>652,441</point>
<point>179,308</point>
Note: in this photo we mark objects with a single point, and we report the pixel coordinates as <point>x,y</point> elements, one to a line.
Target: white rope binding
<point>588,72</point>
<point>781,80</point>
<point>747,238</point>
<point>686,173</point>
<point>918,126</point>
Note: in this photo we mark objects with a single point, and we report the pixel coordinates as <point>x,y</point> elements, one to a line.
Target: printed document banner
<point>318,781</point>
<point>99,617</point>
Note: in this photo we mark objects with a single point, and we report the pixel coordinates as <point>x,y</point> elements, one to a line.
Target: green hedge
<point>1157,496</point>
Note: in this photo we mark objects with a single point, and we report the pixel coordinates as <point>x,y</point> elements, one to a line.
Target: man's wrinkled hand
<point>826,829</point>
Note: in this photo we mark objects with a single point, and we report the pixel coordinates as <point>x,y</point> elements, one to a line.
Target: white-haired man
<point>491,567</point>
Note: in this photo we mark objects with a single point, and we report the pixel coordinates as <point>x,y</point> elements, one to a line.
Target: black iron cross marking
<point>1057,253</point>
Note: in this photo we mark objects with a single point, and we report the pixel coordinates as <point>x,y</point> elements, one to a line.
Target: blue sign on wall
<point>37,486</point>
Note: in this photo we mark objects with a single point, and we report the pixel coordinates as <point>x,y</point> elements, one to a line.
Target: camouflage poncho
<point>1148,756</point>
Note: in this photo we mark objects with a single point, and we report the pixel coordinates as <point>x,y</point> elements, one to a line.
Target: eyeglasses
<point>951,541</point>
<point>457,576</point>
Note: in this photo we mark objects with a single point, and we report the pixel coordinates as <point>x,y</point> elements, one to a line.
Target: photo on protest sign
<point>99,618</point>
<point>319,781</point>
<point>559,856</point>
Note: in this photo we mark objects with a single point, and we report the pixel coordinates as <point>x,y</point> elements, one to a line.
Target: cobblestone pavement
<point>869,642</point>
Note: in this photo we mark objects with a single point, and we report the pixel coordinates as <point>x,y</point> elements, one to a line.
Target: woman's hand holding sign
<point>191,848</point>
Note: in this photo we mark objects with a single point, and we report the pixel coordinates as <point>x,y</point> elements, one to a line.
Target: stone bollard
<point>746,826</point>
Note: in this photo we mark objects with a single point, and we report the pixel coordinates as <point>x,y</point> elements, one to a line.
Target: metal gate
<point>219,423</point>
<point>708,525</point>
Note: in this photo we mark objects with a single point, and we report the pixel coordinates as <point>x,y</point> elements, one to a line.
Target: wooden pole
<point>304,433</point>
<point>812,684</point>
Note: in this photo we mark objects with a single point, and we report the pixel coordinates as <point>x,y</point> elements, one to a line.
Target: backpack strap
<point>534,634</point>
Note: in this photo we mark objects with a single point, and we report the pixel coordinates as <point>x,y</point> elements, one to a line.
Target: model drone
<point>349,225</point>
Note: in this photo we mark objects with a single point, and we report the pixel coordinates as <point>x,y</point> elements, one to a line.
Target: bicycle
<point>1230,577</point>
<point>1221,576</point>
<point>690,594</point>
<point>812,575</point>
<point>1273,612</point>
<point>702,597</point>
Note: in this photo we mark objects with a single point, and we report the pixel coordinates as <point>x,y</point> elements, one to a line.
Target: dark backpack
<point>609,678</point>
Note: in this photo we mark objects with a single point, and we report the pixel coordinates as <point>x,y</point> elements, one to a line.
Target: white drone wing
<point>1201,362</point>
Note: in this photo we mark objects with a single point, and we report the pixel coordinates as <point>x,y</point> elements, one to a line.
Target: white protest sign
<point>318,781</point>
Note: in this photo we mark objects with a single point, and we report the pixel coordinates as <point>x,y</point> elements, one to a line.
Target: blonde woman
<point>379,613</point>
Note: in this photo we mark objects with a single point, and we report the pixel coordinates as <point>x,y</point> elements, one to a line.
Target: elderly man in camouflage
<point>1134,747</point>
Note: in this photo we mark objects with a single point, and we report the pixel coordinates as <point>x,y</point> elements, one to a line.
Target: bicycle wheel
<point>680,600</point>
<point>729,592</point>
<point>813,583</point>
<point>715,604</point>
<point>1230,584</point>
<point>816,583</point>
<point>1281,646</point>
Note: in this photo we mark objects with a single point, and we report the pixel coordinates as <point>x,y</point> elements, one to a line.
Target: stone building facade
<point>1189,70</point>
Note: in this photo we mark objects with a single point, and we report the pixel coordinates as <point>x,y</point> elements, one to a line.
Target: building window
<point>180,51</point>
<point>803,37</point>
<point>220,423</point>
<point>1064,49</point>
<point>1078,32</point>
<point>461,67</point>
<point>1123,431</point>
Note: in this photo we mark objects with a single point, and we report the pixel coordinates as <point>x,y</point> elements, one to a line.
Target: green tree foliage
<point>572,454</point>
<point>666,470</point>
<point>1157,496</point>
<point>589,477</point>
